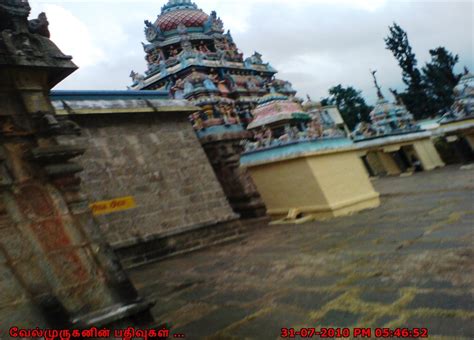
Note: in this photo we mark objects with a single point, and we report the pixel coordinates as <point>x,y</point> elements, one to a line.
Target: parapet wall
<point>157,159</point>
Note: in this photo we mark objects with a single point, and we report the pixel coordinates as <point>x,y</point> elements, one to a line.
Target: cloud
<point>314,44</point>
<point>338,45</point>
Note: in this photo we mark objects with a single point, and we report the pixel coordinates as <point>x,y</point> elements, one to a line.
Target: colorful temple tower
<point>457,125</point>
<point>463,106</point>
<point>303,164</point>
<point>279,120</point>
<point>190,56</point>
<point>393,143</point>
<point>387,118</point>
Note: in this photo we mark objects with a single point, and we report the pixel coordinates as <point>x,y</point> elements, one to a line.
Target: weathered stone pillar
<point>224,152</point>
<point>58,271</point>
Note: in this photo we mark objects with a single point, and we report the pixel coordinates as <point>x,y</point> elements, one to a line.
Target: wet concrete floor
<point>407,264</point>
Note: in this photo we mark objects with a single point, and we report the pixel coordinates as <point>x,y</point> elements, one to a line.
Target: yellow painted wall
<point>424,148</point>
<point>458,123</point>
<point>341,176</point>
<point>427,154</point>
<point>286,185</point>
<point>389,164</point>
<point>323,185</point>
<point>375,164</point>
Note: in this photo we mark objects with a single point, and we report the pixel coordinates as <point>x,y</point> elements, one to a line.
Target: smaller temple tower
<point>463,106</point>
<point>387,118</point>
<point>393,143</point>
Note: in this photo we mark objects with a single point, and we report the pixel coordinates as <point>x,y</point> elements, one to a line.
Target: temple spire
<point>377,86</point>
<point>397,96</point>
<point>178,4</point>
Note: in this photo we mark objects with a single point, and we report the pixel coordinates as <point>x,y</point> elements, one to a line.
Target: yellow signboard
<point>118,204</point>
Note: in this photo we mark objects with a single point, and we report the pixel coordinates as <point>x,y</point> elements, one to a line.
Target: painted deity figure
<point>267,136</point>
<point>214,24</point>
<point>286,136</point>
<point>259,138</point>
<point>203,48</point>
<point>136,77</point>
<point>209,84</point>
<point>153,57</point>
<point>188,88</point>
<point>197,121</point>
<point>315,129</point>
<point>195,76</point>
<point>163,69</point>
<point>213,76</point>
<point>251,85</point>
<point>177,89</point>
<point>174,52</point>
<point>152,32</point>
<point>255,59</point>
<point>183,60</point>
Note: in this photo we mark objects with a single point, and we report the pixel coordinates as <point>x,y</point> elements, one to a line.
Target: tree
<point>439,79</point>
<point>415,97</point>
<point>350,103</point>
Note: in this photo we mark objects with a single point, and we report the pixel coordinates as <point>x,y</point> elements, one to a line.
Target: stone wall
<point>224,152</point>
<point>56,270</point>
<point>157,159</point>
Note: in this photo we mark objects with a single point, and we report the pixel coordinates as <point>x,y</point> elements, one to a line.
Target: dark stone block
<point>382,321</point>
<point>234,297</point>
<point>269,326</point>
<point>454,327</point>
<point>163,307</point>
<point>339,318</point>
<point>214,322</point>
<point>198,293</point>
<point>307,300</point>
<point>441,245</point>
<point>380,296</point>
<point>316,281</point>
<point>433,284</point>
<point>442,301</point>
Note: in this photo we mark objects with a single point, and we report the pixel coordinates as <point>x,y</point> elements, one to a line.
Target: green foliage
<point>415,97</point>
<point>350,103</point>
<point>439,79</point>
<point>398,43</point>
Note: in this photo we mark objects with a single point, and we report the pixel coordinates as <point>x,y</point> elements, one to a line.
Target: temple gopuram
<point>191,57</point>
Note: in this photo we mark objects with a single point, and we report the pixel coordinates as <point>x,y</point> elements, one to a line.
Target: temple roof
<point>388,116</point>
<point>174,5</point>
<point>465,87</point>
<point>187,17</point>
<point>275,108</point>
<point>117,102</point>
<point>463,106</point>
<point>270,97</point>
<point>311,105</point>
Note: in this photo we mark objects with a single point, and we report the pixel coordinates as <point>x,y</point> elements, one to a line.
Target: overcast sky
<point>315,44</point>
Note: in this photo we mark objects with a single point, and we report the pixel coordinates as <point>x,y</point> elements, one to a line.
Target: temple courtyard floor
<point>407,264</point>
